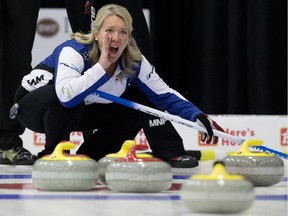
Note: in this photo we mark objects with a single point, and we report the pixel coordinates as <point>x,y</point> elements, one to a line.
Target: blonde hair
<point>131,53</point>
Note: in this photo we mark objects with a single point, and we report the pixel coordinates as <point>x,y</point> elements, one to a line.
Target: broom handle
<point>164,115</point>
<point>179,120</point>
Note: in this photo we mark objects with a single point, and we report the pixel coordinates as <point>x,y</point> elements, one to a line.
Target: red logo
<point>141,138</point>
<point>205,144</point>
<point>284,136</point>
<point>75,137</point>
<point>39,139</point>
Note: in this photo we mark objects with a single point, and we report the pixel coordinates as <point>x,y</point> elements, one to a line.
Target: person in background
<point>18,21</point>
<point>164,140</point>
<point>106,59</point>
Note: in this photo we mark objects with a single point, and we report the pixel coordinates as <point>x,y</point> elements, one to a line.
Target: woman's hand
<point>209,124</point>
<point>105,61</point>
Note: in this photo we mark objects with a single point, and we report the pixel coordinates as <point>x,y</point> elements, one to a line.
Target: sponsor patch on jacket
<point>150,74</point>
<point>73,67</point>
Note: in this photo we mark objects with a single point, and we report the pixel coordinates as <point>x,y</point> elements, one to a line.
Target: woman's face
<point>113,36</point>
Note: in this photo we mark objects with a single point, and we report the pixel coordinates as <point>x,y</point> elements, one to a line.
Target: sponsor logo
<point>36,80</point>
<point>39,139</point>
<point>73,67</point>
<point>200,143</point>
<point>86,55</point>
<point>67,91</point>
<point>244,133</point>
<point>150,74</point>
<point>156,122</point>
<point>284,136</point>
<point>76,137</point>
<point>141,138</point>
<point>47,27</point>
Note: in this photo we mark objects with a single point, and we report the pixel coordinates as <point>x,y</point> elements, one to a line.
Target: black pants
<point>18,24</point>
<point>41,111</point>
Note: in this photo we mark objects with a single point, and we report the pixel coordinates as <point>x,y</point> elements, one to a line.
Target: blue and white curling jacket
<point>76,81</point>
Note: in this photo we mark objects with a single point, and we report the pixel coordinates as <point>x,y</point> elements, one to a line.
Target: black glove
<point>21,92</point>
<point>209,124</point>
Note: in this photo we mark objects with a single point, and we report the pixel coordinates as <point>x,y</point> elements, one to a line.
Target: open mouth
<point>114,49</point>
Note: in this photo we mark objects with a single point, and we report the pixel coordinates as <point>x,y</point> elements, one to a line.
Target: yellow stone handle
<point>218,173</point>
<point>126,146</point>
<point>58,153</point>
<point>244,149</point>
<point>124,149</point>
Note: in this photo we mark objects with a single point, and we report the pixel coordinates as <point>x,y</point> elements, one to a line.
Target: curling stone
<point>109,158</point>
<point>61,172</point>
<point>261,168</point>
<point>217,192</point>
<point>143,175</point>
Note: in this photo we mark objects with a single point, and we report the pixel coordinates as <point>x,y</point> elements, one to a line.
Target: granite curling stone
<point>109,158</point>
<point>62,172</point>
<point>218,192</point>
<point>261,168</point>
<point>138,175</point>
